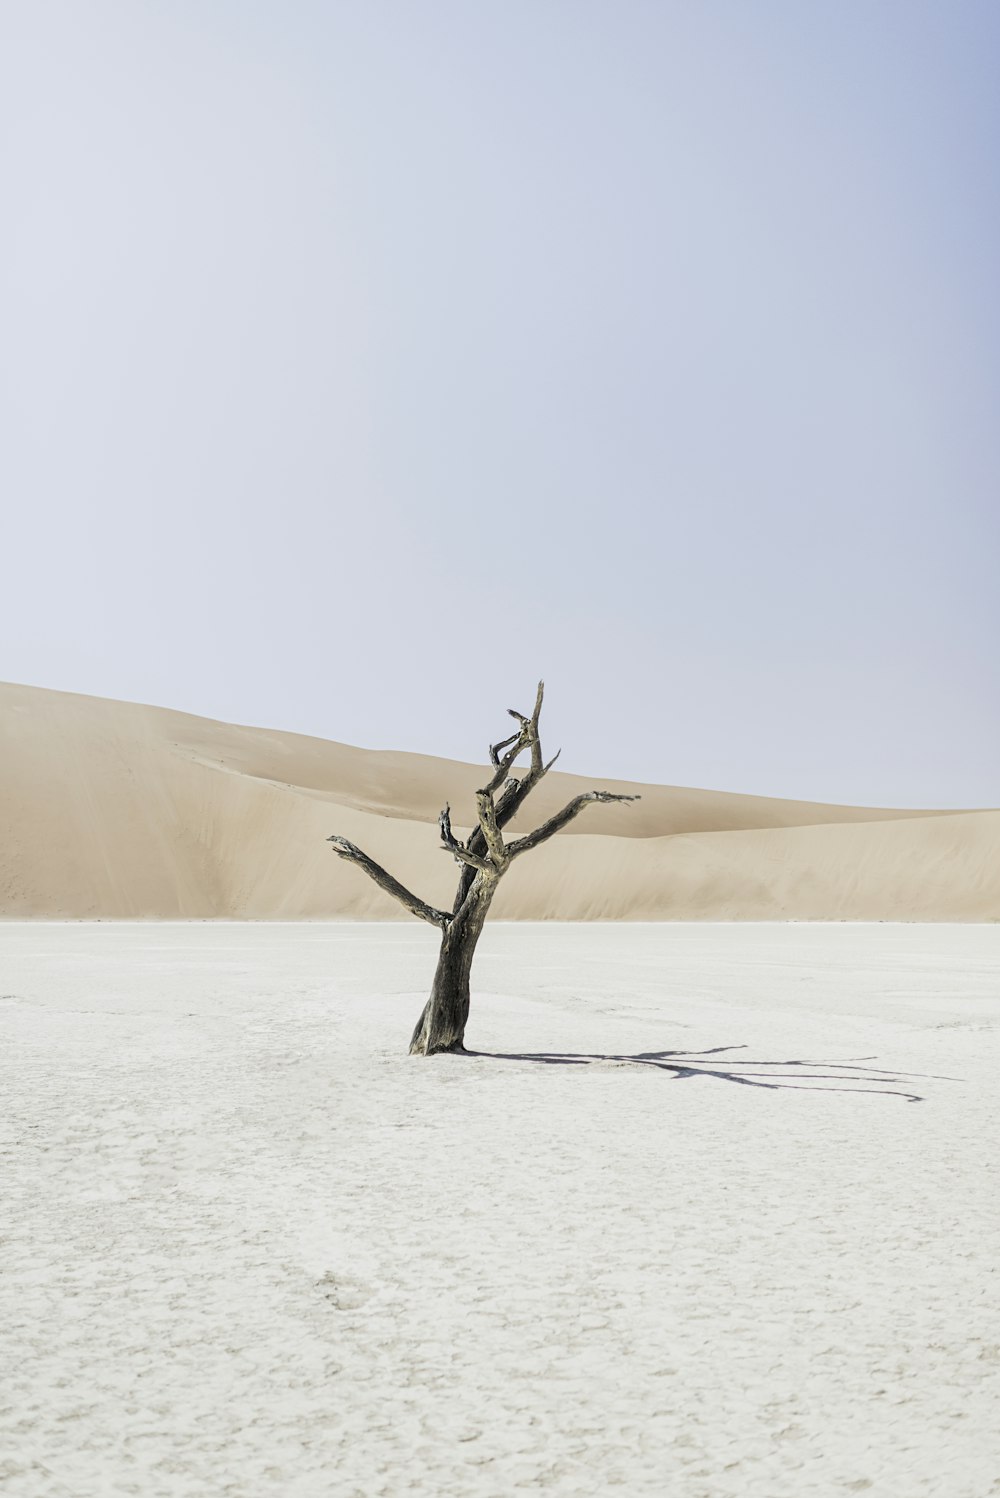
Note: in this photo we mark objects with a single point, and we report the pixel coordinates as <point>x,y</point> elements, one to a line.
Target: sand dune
<point>115,809</point>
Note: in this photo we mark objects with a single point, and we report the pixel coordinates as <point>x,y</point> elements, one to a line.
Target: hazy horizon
<point>365,362</point>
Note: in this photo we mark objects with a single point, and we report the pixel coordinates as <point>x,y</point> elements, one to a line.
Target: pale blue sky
<point>361,362</point>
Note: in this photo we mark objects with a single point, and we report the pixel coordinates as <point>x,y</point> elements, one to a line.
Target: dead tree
<point>485,856</point>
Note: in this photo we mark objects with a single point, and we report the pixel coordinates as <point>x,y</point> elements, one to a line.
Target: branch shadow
<point>793,1074</point>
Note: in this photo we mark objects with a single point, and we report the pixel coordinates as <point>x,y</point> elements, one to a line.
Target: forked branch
<point>384,880</point>
<point>513,793</point>
<point>457,849</point>
<point>495,748</point>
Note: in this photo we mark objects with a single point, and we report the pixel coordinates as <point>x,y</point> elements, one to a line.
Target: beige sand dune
<point>115,809</point>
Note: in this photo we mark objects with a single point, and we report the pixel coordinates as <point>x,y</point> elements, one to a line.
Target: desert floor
<point>250,1248</point>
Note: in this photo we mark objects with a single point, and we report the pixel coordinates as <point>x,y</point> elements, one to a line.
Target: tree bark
<point>441,1026</point>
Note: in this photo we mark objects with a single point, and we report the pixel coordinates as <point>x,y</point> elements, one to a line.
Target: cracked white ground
<point>251,1248</point>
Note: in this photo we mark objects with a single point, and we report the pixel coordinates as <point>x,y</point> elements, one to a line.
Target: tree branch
<point>536,714</point>
<point>490,829</point>
<point>514,791</point>
<point>384,880</point>
<point>495,748</point>
<point>505,765</point>
<point>537,768</point>
<point>555,824</point>
<point>459,850</point>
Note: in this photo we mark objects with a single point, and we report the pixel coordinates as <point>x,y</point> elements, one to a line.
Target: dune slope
<point>112,809</point>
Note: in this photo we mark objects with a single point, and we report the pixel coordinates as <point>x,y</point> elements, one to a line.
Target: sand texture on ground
<point>111,809</point>
<point>682,1234</point>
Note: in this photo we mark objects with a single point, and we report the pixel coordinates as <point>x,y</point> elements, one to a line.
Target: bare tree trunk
<point>441,1026</point>
<point>484,858</point>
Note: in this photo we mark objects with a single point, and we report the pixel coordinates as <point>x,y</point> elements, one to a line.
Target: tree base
<point>457,1049</point>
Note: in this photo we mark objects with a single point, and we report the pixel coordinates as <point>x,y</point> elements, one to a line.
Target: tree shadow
<point>795,1074</point>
